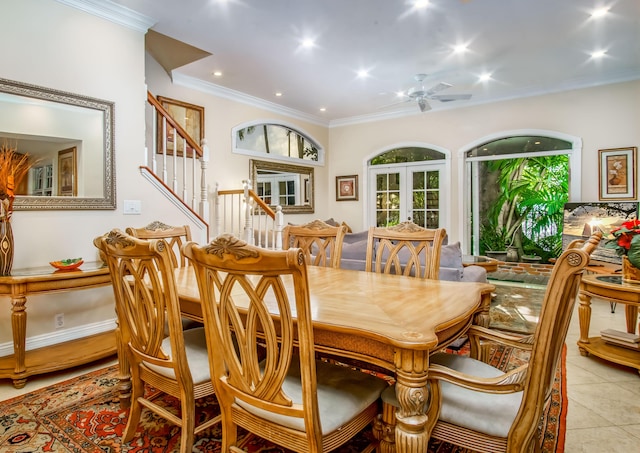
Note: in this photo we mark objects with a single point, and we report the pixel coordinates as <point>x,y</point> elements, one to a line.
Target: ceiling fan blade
<point>439,87</point>
<point>423,104</point>
<point>450,97</point>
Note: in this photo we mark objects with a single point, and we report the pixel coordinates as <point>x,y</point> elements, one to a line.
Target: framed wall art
<point>67,173</point>
<point>190,117</point>
<point>347,188</point>
<point>618,176</point>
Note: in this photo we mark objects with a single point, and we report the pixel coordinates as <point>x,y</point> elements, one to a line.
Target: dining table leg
<point>411,434</point>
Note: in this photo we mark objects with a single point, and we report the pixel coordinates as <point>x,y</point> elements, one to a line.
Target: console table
<point>613,289</point>
<point>39,280</point>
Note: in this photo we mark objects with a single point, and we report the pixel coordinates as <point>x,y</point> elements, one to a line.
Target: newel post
<point>204,201</point>
<point>248,217</point>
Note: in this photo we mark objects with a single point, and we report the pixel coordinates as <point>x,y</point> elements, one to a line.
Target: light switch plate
<point>132,207</point>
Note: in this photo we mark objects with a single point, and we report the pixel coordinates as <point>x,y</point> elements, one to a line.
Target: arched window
<point>517,184</point>
<point>278,141</point>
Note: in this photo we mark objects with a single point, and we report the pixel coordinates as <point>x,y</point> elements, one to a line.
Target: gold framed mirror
<point>46,124</point>
<point>289,186</point>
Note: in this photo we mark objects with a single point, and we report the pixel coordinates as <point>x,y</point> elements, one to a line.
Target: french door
<point>406,192</point>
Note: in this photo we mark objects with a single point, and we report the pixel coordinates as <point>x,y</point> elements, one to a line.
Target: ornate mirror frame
<point>108,201</point>
<point>306,172</point>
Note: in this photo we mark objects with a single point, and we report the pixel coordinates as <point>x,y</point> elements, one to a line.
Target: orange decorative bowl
<point>68,264</point>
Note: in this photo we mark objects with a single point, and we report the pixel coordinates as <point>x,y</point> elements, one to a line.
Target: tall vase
<point>6,247</point>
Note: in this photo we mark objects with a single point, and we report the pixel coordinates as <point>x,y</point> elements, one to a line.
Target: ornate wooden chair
<point>289,399</point>
<point>476,406</point>
<point>146,303</point>
<point>320,242</point>
<point>175,236</point>
<point>405,249</point>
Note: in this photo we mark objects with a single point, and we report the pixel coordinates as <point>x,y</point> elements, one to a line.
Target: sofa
<point>354,250</point>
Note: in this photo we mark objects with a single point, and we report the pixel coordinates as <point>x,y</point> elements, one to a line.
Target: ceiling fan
<point>421,95</point>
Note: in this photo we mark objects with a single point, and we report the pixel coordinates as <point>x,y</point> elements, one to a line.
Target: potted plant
<point>626,243</point>
<point>531,258</point>
<point>493,241</point>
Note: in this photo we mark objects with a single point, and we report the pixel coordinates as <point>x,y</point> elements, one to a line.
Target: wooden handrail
<point>265,207</point>
<point>179,130</point>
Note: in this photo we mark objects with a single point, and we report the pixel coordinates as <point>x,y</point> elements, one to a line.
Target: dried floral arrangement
<point>13,168</point>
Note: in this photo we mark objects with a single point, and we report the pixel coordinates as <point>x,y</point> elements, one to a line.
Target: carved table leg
<point>19,331</point>
<point>631,316</point>
<point>411,390</point>
<point>584,316</point>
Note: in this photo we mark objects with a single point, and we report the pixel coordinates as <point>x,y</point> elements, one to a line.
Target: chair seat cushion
<point>483,412</point>
<point>487,413</point>
<point>195,345</point>
<point>342,394</point>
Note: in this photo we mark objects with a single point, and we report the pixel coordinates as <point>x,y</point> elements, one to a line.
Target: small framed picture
<point>347,188</point>
<point>190,117</point>
<point>618,176</point>
<point>67,173</point>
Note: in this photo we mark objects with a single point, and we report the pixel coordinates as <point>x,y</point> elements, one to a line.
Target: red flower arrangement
<point>626,241</point>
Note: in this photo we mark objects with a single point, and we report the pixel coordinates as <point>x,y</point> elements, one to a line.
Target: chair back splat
<point>320,242</point>
<point>147,306</point>
<point>257,314</point>
<point>175,236</point>
<point>405,249</point>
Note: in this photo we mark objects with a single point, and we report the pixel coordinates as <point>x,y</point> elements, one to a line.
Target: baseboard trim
<point>61,336</point>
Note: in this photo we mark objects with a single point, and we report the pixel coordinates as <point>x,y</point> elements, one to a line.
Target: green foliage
<point>532,190</point>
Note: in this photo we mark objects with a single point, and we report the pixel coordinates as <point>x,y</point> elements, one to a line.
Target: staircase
<point>177,166</point>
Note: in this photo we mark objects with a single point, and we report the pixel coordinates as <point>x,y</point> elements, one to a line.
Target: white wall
<point>53,45</point>
<point>221,116</point>
<point>603,117</point>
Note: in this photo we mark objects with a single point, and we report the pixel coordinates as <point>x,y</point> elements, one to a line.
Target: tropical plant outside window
<point>526,210</point>
<point>277,141</point>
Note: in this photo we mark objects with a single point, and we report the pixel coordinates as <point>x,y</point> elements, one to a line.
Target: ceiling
<point>529,47</point>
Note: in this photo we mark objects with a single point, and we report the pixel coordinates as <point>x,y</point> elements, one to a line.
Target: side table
<point>38,280</point>
<point>613,289</point>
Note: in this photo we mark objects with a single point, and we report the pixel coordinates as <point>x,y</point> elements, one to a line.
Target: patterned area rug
<point>82,415</point>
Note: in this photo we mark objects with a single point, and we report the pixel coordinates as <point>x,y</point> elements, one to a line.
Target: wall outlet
<point>59,320</point>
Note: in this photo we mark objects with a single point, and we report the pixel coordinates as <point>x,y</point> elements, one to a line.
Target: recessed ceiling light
<point>599,12</point>
<point>308,43</point>
<point>421,3</point>
<point>460,48</point>
<point>598,54</point>
<point>278,93</point>
<point>217,73</point>
<point>484,77</point>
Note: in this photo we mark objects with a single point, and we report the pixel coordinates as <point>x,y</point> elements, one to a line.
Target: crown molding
<point>237,96</point>
<point>112,12</point>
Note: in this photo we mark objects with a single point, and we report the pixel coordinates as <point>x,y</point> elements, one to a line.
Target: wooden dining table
<point>389,321</point>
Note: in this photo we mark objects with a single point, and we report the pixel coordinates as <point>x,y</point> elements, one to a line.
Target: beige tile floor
<point>604,399</point>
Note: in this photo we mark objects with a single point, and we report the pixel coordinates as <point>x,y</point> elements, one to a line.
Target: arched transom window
<point>277,141</point>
